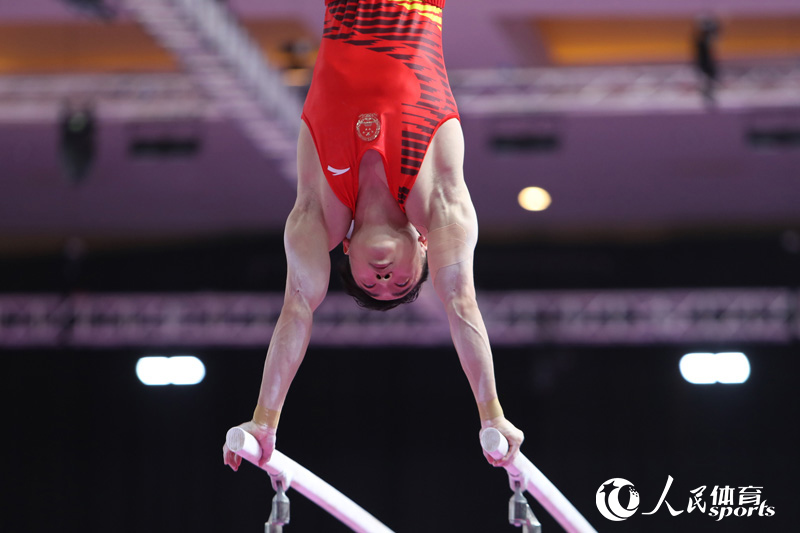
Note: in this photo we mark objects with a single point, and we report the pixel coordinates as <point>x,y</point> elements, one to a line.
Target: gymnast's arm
<point>450,252</point>
<point>308,272</point>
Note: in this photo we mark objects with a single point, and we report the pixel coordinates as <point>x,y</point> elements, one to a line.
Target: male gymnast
<point>380,146</point>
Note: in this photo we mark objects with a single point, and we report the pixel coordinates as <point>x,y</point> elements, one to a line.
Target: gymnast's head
<point>384,268</point>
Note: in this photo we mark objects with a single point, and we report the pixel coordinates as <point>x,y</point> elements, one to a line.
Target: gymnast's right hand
<point>266,437</point>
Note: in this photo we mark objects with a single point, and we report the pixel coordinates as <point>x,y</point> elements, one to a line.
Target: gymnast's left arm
<point>450,253</point>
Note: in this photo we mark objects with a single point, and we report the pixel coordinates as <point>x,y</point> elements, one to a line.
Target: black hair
<point>368,302</point>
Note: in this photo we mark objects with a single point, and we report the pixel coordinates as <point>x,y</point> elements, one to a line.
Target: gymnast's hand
<point>266,437</point>
<point>512,435</point>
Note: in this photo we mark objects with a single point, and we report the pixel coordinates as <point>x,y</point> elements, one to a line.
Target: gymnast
<point>381,147</point>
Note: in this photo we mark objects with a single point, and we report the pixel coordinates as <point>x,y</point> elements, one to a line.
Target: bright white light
<point>734,367</point>
<point>708,368</point>
<point>534,199</point>
<point>179,370</point>
<point>153,370</point>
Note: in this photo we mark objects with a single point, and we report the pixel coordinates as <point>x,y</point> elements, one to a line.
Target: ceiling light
<point>710,368</point>
<point>534,199</point>
<point>179,370</point>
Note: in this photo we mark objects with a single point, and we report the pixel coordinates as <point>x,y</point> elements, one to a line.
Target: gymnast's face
<point>386,265</point>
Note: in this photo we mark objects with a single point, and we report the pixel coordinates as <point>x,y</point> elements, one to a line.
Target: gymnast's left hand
<point>513,435</point>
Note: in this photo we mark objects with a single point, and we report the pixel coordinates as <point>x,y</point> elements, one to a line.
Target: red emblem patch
<point>368,127</point>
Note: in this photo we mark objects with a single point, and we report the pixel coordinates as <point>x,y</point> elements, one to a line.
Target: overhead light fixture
<point>787,137</point>
<point>534,199</point>
<point>777,129</point>
<point>77,129</point>
<point>178,370</point>
<point>710,368</point>
<point>164,147</point>
<point>165,139</point>
<point>525,142</point>
<point>526,135</point>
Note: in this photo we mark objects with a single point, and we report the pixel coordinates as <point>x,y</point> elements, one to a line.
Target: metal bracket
<point>281,479</point>
<point>279,516</point>
<point>520,513</point>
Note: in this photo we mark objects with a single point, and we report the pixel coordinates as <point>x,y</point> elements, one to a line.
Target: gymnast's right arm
<point>308,272</point>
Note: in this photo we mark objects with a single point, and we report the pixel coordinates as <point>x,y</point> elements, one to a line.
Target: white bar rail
<point>306,483</point>
<point>531,478</point>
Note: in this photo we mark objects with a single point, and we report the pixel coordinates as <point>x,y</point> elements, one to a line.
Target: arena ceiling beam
<point>767,84</point>
<point>229,68</point>
<point>497,92</point>
<point>41,98</point>
<point>514,318</point>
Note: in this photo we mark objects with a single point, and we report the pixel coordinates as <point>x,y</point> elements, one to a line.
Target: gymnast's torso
<point>379,84</point>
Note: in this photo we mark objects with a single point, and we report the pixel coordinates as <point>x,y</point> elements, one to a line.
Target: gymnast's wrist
<point>490,411</point>
<point>265,417</point>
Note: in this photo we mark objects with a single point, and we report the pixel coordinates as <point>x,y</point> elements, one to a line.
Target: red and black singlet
<point>379,84</point>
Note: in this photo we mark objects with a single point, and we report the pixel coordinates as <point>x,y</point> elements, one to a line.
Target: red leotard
<point>379,84</point>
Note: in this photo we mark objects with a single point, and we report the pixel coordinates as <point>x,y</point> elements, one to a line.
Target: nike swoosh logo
<point>337,171</point>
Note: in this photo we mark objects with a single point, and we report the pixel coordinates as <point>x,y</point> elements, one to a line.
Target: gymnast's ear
<point>346,246</point>
<point>423,241</point>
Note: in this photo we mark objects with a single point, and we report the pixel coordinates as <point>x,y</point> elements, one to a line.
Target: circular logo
<point>368,127</point>
<point>608,499</point>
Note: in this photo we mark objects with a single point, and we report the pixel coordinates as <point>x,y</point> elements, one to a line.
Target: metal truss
<point>270,114</point>
<point>125,97</point>
<point>635,317</point>
<point>624,89</point>
<point>230,68</point>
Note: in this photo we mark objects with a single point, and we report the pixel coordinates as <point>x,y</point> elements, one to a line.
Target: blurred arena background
<point>147,154</point>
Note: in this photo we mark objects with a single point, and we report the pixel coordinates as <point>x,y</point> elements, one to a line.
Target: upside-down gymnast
<point>380,146</point>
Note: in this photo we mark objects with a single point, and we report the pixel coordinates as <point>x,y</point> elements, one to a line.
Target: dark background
<point>396,430</point>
